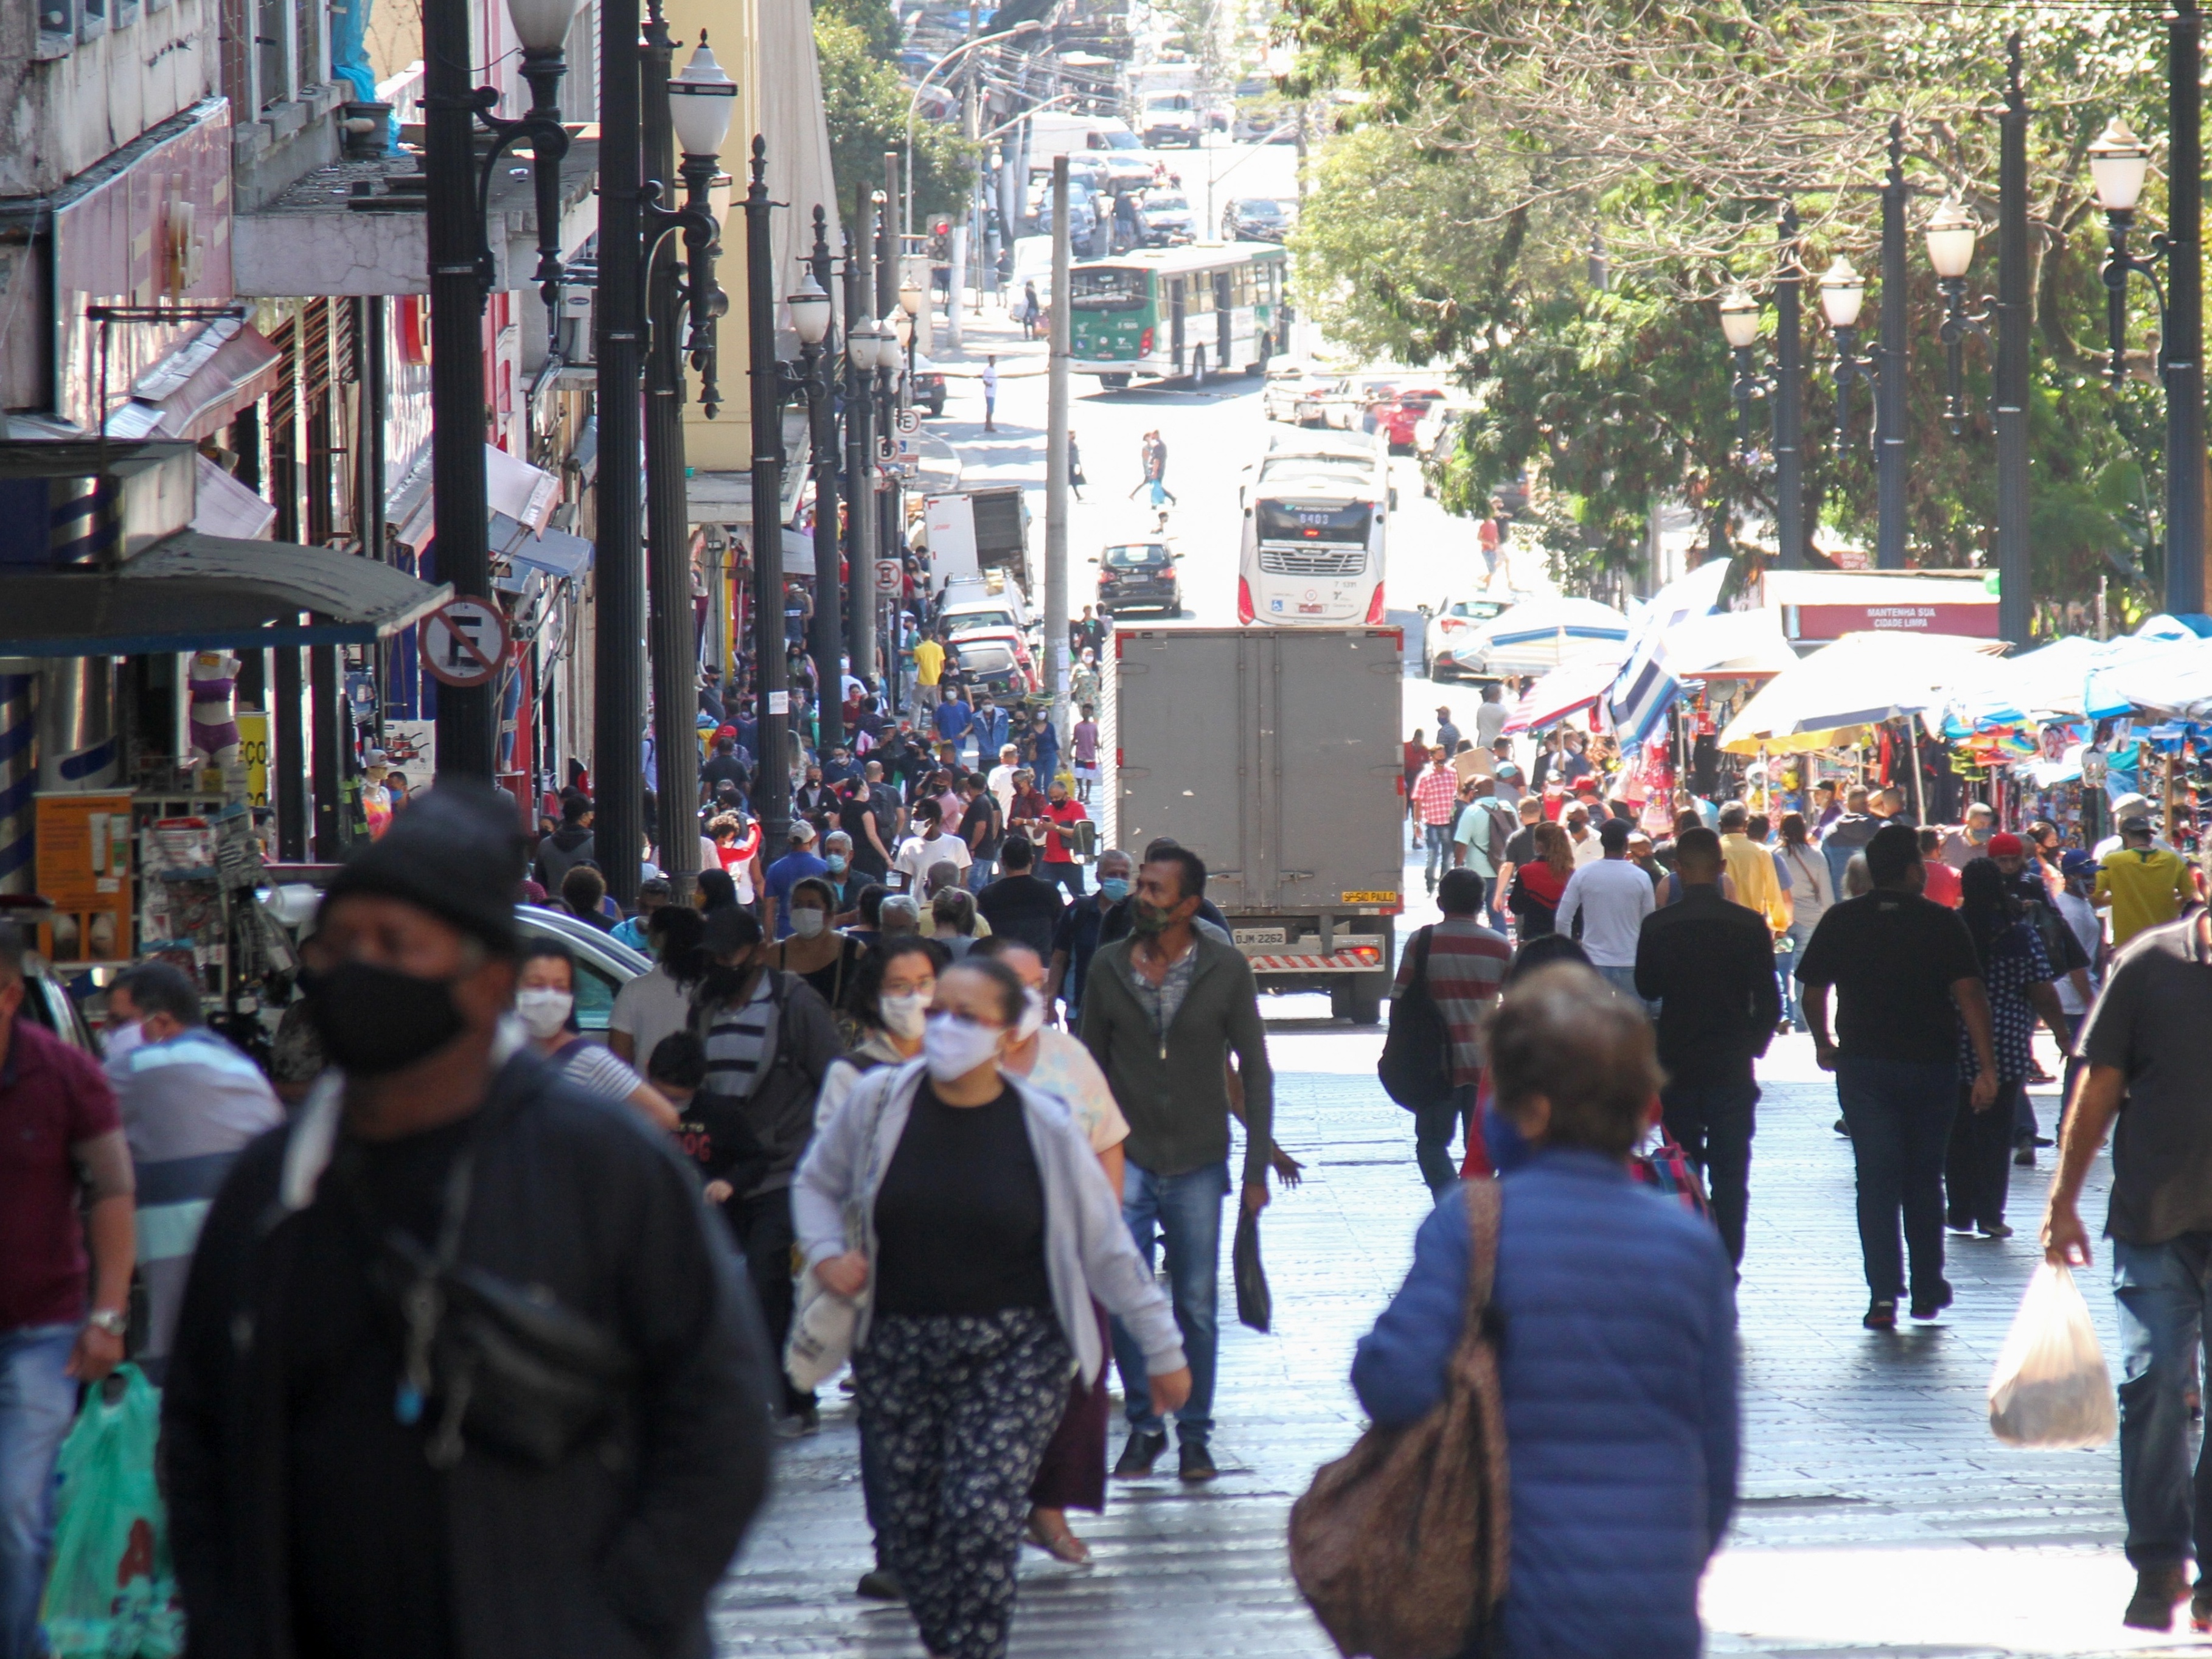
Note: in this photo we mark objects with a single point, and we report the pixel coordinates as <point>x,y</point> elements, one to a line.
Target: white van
<point>1056,132</point>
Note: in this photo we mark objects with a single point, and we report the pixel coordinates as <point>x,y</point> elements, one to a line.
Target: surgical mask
<point>374,1020</point>
<point>1115,888</point>
<point>808,923</point>
<point>544,1011</point>
<point>905,1016</point>
<point>953,1047</point>
<point>836,863</point>
<point>1032,1019</point>
<point>122,1039</point>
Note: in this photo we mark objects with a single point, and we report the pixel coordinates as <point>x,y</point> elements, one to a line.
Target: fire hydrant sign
<point>464,641</point>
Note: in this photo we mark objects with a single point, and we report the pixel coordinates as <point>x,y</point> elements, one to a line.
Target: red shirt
<point>52,1097</point>
<point>1062,813</point>
<point>1943,886</point>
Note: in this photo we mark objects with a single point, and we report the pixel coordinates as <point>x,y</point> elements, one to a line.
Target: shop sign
<point>1832,621</point>
<point>84,869</point>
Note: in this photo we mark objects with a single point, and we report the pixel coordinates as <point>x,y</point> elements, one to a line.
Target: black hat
<point>457,851</point>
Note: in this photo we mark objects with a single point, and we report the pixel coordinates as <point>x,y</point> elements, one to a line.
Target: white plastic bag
<point>2050,1388</point>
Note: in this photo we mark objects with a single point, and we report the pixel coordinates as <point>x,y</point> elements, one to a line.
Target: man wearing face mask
<point>350,1469</point>
<point>1162,1012</point>
<point>794,867</point>
<point>770,1039</point>
<point>1076,939</point>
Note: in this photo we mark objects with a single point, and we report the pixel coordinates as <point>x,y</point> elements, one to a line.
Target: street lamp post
<point>2015,567</point>
<point>861,341</point>
<point>1890,422</point>
<point>1739,314</point>
<point>461,272</point>
<point>772,782</point>
<point>1951,234</point>
<point>822,438</point>
<point>1843,294</point>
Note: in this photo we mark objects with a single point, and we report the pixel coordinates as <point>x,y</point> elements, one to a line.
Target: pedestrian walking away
<point>1075,478</point>
<point>1620,1413</point>
<point>2016,976</point>
<point>1163,1012</point>
<point>1611,897</point>
<point>1708,967</point>
<point>1812,890</point>
<point>984,1226</point>
<point>2146,1047</point>
<point>1464,963</point>
<point>2144,884</point>
<point>1904,974</point>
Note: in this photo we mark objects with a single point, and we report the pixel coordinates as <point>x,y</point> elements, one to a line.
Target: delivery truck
<point>1274,755</point>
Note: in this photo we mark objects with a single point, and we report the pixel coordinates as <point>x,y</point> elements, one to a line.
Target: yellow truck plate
<point>1387,896</point>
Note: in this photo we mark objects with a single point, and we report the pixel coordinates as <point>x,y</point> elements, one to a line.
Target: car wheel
<point>937,407</point>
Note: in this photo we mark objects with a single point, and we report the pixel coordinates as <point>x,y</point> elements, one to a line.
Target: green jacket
<point>1174,1089</point>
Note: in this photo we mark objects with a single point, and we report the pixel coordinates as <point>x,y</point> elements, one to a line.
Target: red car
<point>1396,416</point>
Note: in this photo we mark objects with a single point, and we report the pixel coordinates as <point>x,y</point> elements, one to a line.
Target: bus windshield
<point>1106,289</point>
<point>1323,474</point>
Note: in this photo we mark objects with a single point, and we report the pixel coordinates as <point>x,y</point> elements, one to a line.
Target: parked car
<point>1139,576</point>
<point>1164,217</point>
<point>1081,216</point>
<point>1256,219</point>
<point>1395,418</point>
<point>1455,624</point>
<point>998,660</point>
<point>928,385</point>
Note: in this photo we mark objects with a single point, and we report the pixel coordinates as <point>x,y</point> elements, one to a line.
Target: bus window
<point>1107,290</point>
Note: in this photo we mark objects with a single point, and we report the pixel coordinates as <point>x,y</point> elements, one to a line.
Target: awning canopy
<point>196,592</point>
<point>1566,689</point>
<point>1861,680</point>
<point>193,391</point>
<point>524,493</point>
<point>224,506</point>
<point>556,552</point>
<point>1541,634</point>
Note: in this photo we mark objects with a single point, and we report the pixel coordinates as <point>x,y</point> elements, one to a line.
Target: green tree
<point>864,104</point>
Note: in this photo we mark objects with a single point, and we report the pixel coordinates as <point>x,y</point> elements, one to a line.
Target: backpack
<point>1416,1067</point>
<point>1503,826</point>
<point>1400,1546</point>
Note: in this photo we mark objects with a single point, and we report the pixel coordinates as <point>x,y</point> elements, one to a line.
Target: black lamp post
<point>772,783</point>
<point>822,438</point>
<point>462,271</point>
<point>1951,234</point>
<point>1739,321</point>
<point>1843,294</point>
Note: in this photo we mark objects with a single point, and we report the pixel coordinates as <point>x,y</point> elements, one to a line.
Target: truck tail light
<point>1244,600</point>
<point>1368,954</point>
<point>1145,343</point>
<point>1374,605</point>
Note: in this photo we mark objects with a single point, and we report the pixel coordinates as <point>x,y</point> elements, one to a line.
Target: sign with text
<point>1830,622</point>
<point>84,868</point>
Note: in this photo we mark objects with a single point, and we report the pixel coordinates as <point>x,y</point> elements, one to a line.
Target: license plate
<point>1362,897</point>
<point>1260,935</point>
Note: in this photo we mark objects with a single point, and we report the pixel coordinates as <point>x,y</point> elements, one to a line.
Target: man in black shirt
<point>1908,974</point>
<point>724,765</point>
<point>982,828</point>
<point>1709,966</point>
<point>859,817</point>
<point>1077,937</point>
<point>1020,904</point>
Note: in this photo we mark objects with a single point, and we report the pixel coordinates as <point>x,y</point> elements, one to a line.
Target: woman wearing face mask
<point>545,1002</point>
<point>1073,1475</point>
<point>984,1227</point>
<point>816,951</point>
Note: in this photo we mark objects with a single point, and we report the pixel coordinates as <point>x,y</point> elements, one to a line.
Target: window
<point>1107,290</point>
<point>1137,555</point>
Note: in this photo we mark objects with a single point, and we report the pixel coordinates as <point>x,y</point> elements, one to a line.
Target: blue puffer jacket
<point>1617,1359</point>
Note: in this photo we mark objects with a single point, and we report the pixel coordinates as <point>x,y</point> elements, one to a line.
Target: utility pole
<point>772,782</point>
<point>1890,455</point>
<point>1056,454</point>
<point>1788,398</point>
<point>860,448</point>
<point>821,438</point>
<point>2184,344</point>
<point>2015,573</point>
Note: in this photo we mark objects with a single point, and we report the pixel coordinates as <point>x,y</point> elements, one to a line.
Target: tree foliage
<point>865,103</point>
<point>1545,197</point>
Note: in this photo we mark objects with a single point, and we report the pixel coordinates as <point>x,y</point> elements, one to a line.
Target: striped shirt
<point>597,1070</point>
<point>1466,966</point>
<point>1437,794</point>
<point>738,1042</point>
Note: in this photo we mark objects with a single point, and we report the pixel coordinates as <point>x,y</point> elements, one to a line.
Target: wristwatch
<point>110,1319</point>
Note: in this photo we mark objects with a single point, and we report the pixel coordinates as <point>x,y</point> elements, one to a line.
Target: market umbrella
<point>1568,688</point>
<point>1542,634</point>
<point>2176,681</point>
<point>1730,645</point>
<point>1860,680</point>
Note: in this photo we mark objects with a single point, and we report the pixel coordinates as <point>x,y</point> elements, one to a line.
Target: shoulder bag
<point>1402,1546</point>
<point>1416,1063</point>
<point>824,1323</point>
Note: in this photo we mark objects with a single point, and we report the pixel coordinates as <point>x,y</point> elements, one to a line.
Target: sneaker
<point>880,1584</point>
<point>2159,1590</point>
<point>1995,1230</point>
<point>1194,1462</point>
<point>1881,1314</point>
<point>1962,1228</point>
<point>1137,1457</point>
<point>1928,1309</point>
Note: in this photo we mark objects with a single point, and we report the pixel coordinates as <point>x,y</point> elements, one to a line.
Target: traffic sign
<point>890,577</point>
<point>910,422</point>
<point>462,641</point>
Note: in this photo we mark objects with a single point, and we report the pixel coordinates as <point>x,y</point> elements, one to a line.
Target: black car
<point>1139,576</point>
<point>1255,219</point>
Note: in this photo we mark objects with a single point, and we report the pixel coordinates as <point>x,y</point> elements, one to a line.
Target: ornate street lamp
<point>1951,234</point>
<point>1739,327</point>
<point>1843,294</point>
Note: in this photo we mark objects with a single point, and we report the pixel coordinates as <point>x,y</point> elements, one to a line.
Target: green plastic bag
<point>111,1592</point>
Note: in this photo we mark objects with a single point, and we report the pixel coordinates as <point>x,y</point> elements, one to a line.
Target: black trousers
<point>764,1232</point>
<point>1977,1163</point>
<point>1713,1123</point>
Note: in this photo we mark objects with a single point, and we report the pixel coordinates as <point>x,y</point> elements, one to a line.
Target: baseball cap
<point>2074,862</point>
<point>802,831</point>
<point>2134,824</point>
<point>2005,844</point>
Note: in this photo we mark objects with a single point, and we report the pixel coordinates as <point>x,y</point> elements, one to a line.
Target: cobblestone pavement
<point>1879,1514</point>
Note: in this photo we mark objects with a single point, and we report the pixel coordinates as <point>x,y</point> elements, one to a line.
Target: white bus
<point>1317,518</point>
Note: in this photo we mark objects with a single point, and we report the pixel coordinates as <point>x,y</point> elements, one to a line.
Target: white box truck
<point>1273,755</point>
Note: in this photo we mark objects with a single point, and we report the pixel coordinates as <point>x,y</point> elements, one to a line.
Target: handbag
<point>1402,1546</point>
<point>1255,1305</point>
<point>824,1323</point>
<point>1416,1063</point>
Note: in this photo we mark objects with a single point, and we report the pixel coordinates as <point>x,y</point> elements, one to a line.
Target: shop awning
<point>556,552</point>
<point>197,593</point>
<point>194,393</point>
<point>1861,680</point>
<point>1566,690</point>
<point>224,506</point>
<point>524,493</point>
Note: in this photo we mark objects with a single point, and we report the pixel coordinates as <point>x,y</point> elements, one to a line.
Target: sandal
<point>1063,1545</point>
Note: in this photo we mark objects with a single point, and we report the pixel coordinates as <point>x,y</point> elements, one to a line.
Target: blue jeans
<point>1184,1210</point>
<point>2165,1293</point>
<point>1786,962</point>
<point>1900,1112</point>
<point>1433,1129</point>
<point>1437,838</point>
<point>37,1400</point>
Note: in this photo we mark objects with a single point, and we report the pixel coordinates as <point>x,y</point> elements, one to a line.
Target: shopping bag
<point>1254,1306</point>
<point>2050,1388</point>
<point>111,1592</point>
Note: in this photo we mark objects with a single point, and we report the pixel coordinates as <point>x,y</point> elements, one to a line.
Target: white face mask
<point>122,1039</point>
<point>543,1010</point>
<point>808,923</point>
<point>953,1047</point>
<point>904,1016</point>
<point>1032,1019</point>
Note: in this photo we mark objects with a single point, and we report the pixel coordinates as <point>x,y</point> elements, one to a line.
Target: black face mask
<point>375,1020</point>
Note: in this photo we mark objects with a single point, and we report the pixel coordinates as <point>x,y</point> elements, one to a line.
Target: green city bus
<point>1203,309</point>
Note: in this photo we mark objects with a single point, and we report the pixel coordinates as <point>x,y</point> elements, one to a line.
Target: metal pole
<point>1889,384</point>
<point>772,782</point>
<point>617,667</point>
<point>2016,573</point>
<point>860,452</point>
<point>1055,455</point>
<point>1788,394</point>
<point>667,527</point>
<point>887,254</point>
<point>456,400</point>
<point>2183,347</point>
<point>829,592</point>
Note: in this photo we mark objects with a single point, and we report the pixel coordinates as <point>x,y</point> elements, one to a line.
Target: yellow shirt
<point>1750,866</point>
<point>2145,886</point>
<point>928,661</point>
